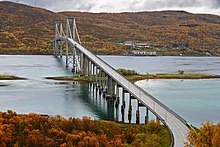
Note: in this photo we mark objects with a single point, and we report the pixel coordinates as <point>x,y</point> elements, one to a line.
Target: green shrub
<point>127,72</point>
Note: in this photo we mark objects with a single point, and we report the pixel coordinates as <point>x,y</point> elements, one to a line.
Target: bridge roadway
<point>176,124</point>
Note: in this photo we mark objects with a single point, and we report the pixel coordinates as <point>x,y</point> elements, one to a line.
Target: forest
<point>40,130</point>
<point>207,136</point>
<point>29,30</point>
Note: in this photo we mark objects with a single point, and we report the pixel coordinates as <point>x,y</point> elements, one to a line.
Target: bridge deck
<point>177,124</point>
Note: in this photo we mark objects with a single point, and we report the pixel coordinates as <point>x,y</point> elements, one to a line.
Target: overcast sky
<point>196,6</point>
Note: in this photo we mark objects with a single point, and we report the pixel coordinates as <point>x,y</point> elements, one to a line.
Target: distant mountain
<point>25,29</point>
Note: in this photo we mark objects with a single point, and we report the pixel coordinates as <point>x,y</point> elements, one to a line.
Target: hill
<point>26,29</point>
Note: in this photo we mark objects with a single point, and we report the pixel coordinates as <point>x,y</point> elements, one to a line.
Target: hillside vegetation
<point>39,131</point>
<point>207,136</point>
<point>25,29</point>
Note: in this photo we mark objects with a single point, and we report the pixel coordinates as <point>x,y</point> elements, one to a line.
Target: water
<point>43,96</point>
<point>195,100</point>
<point>166,64</point>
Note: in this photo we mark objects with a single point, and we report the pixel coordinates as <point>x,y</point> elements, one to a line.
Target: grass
<point>8,77</point>
<point>74,78</point>
<point>138,77</point>
<point>171,76</point>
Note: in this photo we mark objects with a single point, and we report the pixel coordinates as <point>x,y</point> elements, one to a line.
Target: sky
<point>194,6</point>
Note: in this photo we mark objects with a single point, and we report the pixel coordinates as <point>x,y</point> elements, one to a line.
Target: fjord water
<point>38,95</point>
<point>195,100</point>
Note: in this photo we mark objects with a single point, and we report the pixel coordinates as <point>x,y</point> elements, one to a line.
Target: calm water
<point>40,95</point>
<point>195,100</point>
<point>166,64</point>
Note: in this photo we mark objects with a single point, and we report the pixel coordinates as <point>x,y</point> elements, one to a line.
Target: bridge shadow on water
<point>78,96</point>
<point>81,97</point>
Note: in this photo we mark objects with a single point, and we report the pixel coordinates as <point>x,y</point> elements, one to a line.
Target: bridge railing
<point>139,93</point>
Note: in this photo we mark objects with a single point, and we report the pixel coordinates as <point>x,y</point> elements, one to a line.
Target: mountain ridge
<point>29,30</point>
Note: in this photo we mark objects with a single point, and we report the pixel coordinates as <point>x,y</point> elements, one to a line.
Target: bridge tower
<point>72,56</point>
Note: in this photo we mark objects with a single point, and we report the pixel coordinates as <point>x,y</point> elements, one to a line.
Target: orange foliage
<point>36,130</point>
<point>208,135</point>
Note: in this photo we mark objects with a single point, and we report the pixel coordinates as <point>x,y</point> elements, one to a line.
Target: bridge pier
<point>81,64</point>
<point>129,109</point>
<point>147,116</point>
<point>67,54</point>
<point>74,60</point>
<point>61,50</point>
<point>137,114</point>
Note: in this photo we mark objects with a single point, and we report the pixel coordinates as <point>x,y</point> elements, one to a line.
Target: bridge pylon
<point>73,57</point>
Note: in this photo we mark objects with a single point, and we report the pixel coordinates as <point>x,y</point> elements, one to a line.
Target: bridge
<point>106,81</point>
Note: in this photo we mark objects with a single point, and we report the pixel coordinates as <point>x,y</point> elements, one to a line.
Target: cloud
<point>205,6</point>
<point>58,5</point>
<point>216,3</point>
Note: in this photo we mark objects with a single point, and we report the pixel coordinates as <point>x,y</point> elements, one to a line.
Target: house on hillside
<point>134,44</point>
<point>145,45</point>
<point>142,53</point>
<point>138,53</point>
<point>129,43</point>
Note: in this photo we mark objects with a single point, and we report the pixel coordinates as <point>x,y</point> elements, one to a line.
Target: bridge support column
<point>61,50</point>
<point>85,66</point>
<point>137,114</point>
<point>81,63</point>
<point>147,116</point>
<point>56,48</point>
<point>129,109</point>
<point>53,47</point>
<point>97,75</point>
<point>117,101</point>
<point>101,82</point>
<point>90,71</point>
<point>111,84</point>
<point>104,85</point>
<point>77,61</point>
<point>74,61</point>
<point>67,54</point>
<point>123,105</point>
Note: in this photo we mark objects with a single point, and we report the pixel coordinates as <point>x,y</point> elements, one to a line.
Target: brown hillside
<point>194,33</point>
<point>25,28</point>
<point>30,30</point>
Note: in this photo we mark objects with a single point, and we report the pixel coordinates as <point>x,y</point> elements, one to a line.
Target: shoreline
<point>138,77</point>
